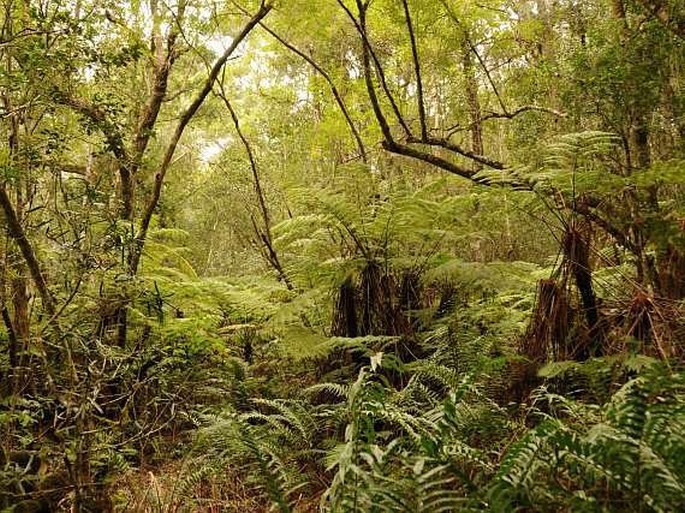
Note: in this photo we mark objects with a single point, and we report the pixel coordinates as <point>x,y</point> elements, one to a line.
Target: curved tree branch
<point>16,231</point>
<point>114,141</point>
<point>331,84</point>
<point>188,114</point>
<point>268,249</point>
<point>444,143</point>
<point>389,142</point>
<point>360,25</point>
<point>417,71</point>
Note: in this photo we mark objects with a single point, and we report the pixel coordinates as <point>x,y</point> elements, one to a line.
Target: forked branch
<point>410,144</point>
<point>326,76</point>
<point>417,71</point>
<point>186,117</point>
<point>390,143</point>
<point>263,234</point>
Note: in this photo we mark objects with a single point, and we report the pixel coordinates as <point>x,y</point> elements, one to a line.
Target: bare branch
<point>265,234</point>
<point>389,142</point>
<point>360,25</point>
<point>370,88</point>
<point>520,110</point>
<point>16,231</point>
<point>473,48</point>
<point>444,143</point>
<point>180,128</point>
<point>331,84</point>
<point>505,115</point>
<point>407,151</point>
<point>417,71</point>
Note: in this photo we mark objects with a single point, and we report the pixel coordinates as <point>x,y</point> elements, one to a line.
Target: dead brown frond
<point>550,324</point>
<point>548,332</point>
<point>410,299</point>
<point>639,318</point>
<point>671,271</point>
<point>386,307</point>
<point>657,324</point>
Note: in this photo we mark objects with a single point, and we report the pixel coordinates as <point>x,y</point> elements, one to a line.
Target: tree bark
<point>153,201</point>
<point>471,86</point>
<point>17,233</point>
<point>264,239</point>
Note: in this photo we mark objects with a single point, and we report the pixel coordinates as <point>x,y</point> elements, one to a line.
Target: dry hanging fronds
<point>639,318</point>
<point>409,300</point>
<point>550,324</point>
<point>672,273</point>
<point>657,323</point>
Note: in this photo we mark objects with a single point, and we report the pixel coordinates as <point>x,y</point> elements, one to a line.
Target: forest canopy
<point>342,255</point>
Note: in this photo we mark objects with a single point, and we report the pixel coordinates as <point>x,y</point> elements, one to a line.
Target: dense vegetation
<point>342,255</point>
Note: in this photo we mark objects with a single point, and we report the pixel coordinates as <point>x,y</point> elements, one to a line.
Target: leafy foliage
<point>342,256</point>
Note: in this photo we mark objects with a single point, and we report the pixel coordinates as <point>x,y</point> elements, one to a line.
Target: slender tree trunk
<point>471,86</point>
<point>188,114</point>
<point>163,56</point>
<point>264,238</point>
<point>18,281</point>
<point>21,316</point>
<point>19,321</point>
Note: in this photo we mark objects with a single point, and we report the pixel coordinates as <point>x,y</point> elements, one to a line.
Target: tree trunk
<point>639,141</point>
<point>471,86</point>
